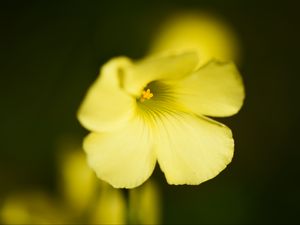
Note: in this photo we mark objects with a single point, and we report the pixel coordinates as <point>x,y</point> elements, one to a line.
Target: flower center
<point>146,95</point>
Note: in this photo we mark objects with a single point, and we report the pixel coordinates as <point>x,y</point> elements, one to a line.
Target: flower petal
<point>191,150</point>
<point>170,66</point>
<point>123,158</point>
<point>205,33</point>
<point>214,90</point>
<point>106,106</point>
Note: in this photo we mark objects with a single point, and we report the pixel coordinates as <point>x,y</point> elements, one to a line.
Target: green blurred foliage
<point>51,52</point>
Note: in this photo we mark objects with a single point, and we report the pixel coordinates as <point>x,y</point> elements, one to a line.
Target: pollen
<point>146,95</point>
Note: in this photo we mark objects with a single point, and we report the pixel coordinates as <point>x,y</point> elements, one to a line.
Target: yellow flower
<point>32,208</point>
<point>85,199</point>
<point>205,33</point>
<point>145,204</point>
<point>155,110</point>
<point>90,200</point>
<point>78,183</point>
<point>110,207</point>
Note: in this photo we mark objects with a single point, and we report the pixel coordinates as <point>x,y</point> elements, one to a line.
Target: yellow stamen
<point>146,95</point>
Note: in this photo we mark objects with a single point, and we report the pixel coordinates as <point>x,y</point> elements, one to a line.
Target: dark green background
<point>51,52</point>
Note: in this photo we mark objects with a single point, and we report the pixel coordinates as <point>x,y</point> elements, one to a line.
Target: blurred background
<point>51,52</point>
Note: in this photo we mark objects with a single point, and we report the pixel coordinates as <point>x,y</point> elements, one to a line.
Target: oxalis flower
<point>155,110</point>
